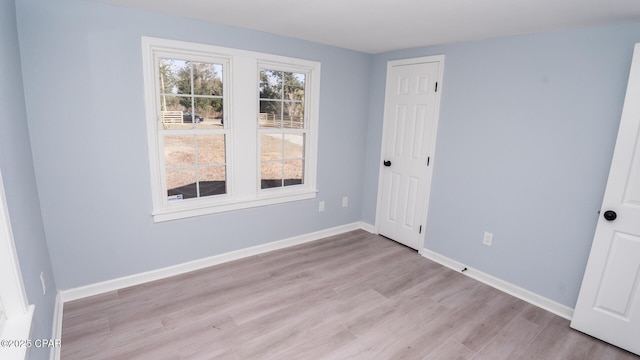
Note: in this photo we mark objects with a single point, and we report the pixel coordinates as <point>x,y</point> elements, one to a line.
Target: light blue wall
<point>83,81</point>
<point>526,134</point>
<point>16,166</point>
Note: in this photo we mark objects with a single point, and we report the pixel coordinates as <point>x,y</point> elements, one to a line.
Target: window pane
<point>270,114</point>
<point>181,184</point>
<point>175,76</point>
<point>207,79</point>
<point>175,120</point>
<point>271,147</point>
<point>211,149</point>
<point>212,180</point>
<point>175,103</point>
<point>270,84</point>
<point>179,150</point>
<point>293,172</point>
<point>209,113</point>
<point>294,86</point>
<point>271,175</point>
<point>293,115</point>
<point>175,112</point>
<point>293,146</point>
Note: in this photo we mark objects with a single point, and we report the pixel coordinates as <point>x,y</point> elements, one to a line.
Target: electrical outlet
<point>487,239</point>
<point>345,201</point>
<point>44,288</point>
<point>321,206</point>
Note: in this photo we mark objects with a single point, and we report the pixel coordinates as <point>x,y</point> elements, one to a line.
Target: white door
<point>409,132</point>
<point>609,302</point>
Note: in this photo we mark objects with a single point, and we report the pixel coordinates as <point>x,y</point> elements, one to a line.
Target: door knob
<point>387,163</point>
<point>610,215</point>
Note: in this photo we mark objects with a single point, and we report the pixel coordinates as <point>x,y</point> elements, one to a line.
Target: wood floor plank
<point>89,324</point>
<point>483,328</point>
<point>303,314</point>
<point>91,306</point>
<point>438,331</point>
<point>284,295</point>
<point>511,342</point>
<point>556,340</point>
<point>350,296</point>
<point>315,342</point>
<point>394,267</point>
<point>451,350</point>
<point>205,315</point>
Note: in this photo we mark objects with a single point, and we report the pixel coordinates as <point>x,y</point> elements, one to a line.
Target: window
<point>228,129</point>
<point>192,133</point>
<point>282,128</point>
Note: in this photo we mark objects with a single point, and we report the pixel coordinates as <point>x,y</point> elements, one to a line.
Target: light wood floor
<point>352,296</point>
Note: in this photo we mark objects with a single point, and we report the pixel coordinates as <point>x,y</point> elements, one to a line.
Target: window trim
<point>241,107</point>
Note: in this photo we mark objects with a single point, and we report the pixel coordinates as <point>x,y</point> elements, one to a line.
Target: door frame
<point>411,61</point>
<point>19,313</point>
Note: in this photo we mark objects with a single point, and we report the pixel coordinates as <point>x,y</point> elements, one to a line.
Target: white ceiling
<point>375,26</point>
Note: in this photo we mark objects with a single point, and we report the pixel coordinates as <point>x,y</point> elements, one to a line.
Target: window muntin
<point>282,127</point>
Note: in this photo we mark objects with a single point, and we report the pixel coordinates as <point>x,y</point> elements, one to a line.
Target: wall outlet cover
<point>487,239</point>
<point>44,288</point>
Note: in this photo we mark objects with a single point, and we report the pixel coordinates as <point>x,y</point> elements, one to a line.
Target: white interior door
<point>409,132</point>
<point>609,302</point>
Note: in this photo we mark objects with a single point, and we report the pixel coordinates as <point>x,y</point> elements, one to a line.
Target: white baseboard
<point>368,227</point>
<point>523,294</point>
<point>137,279</point>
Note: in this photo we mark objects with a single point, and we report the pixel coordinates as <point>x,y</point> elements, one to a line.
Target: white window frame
<point>241,94</point>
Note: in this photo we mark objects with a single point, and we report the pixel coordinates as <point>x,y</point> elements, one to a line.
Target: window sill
<point>17,328</point>
<point>264,199</point>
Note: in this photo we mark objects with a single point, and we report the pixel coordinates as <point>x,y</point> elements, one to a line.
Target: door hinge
<point>436,89</point>
<point>420,231</point>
